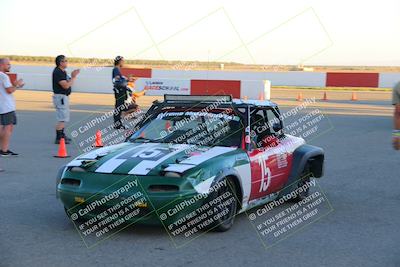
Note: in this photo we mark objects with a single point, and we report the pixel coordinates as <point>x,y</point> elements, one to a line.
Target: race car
<point>192,150</point>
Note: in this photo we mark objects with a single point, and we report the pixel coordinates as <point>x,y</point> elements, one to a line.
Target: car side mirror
<point>277,126</point>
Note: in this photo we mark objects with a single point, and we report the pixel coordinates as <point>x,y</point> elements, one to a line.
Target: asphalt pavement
<point>361,182</point>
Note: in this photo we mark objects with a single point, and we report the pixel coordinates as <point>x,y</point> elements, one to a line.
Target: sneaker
<point>12,153</point>
<point>8,153</point>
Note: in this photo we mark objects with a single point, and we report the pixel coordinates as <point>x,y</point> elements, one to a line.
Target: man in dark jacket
<point>122,93</point>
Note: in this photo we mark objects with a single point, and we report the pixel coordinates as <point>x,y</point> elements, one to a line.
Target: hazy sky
<point>340,32</point>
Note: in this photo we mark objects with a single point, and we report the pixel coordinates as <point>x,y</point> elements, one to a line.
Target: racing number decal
<point>265,175</point>
<point>151,153</point>
<point>269,172</point>
<point>153,156</point>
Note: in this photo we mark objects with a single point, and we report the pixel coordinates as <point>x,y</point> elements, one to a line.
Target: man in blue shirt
<point>121,92</point>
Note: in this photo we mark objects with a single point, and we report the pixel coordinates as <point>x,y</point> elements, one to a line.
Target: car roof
<point>257,103</point>
<point>186,100</point>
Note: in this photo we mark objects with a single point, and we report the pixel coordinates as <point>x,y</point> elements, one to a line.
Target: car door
<point>268,159</point>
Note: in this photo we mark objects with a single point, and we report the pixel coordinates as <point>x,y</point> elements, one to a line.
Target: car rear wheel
<point>226,213</point>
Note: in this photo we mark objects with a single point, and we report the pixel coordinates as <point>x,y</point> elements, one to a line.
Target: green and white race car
<point>187,154</point>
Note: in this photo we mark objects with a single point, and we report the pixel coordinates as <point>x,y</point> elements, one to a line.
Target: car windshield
<point>198,128</point>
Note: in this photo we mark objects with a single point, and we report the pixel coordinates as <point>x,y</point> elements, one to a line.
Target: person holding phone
<point>62,84</point>
<point>8,116</point>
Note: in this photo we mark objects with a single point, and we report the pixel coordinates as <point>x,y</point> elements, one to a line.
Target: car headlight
<point>77,169</point>
<point>172,174</point>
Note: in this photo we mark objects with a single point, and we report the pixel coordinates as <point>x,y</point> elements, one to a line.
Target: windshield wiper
<point>142,139</point>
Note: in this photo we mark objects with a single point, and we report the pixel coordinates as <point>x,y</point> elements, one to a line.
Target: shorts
<point>61,104</point>
<point>9,118</point>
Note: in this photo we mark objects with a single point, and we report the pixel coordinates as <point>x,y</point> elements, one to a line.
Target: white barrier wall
<point>90,80</point>
<point>94,80</point>
<point>251,88</point>
<point>98,79</point>
<point>388,80</point>
<point>293,78</point>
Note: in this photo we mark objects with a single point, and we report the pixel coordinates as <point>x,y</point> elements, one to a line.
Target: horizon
<point>188,61</point>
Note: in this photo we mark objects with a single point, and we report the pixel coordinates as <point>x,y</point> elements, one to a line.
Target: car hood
<point>147,158</point>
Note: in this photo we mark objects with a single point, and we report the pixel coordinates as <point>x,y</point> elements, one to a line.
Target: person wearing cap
<point>8,116</point>
<point>396,119</point>
<point>123,104</point>
<point>62,84</point>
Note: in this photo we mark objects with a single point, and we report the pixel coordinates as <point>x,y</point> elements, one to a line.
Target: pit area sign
<point>163,86</point>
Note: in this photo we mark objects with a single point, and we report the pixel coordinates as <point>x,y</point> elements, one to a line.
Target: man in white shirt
<point>7,107</point>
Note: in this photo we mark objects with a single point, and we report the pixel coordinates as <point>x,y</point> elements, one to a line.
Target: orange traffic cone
<point>99,142</point>
<point>354,97</point>
<point>300,97</point>
<point>261,96</point>
<point>325,98</point>
<point>62,150</point>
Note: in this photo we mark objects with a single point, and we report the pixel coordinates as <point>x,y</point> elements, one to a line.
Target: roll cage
<point>242,108</point>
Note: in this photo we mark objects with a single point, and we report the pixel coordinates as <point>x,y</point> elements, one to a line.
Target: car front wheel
<point>226,209</point>
<point>304,179</point>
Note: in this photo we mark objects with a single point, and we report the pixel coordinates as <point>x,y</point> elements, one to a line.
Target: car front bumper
<point>153,207</point>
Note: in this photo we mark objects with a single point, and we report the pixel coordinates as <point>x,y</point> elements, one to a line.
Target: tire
<point>303,179</point>
<point>224,223</point>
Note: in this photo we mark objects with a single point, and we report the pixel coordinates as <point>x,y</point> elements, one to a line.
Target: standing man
<point>62,83</point>
<point>8,116</point>
<point>124,92</point>
<point>120,91</point>
<point>396,121</point>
